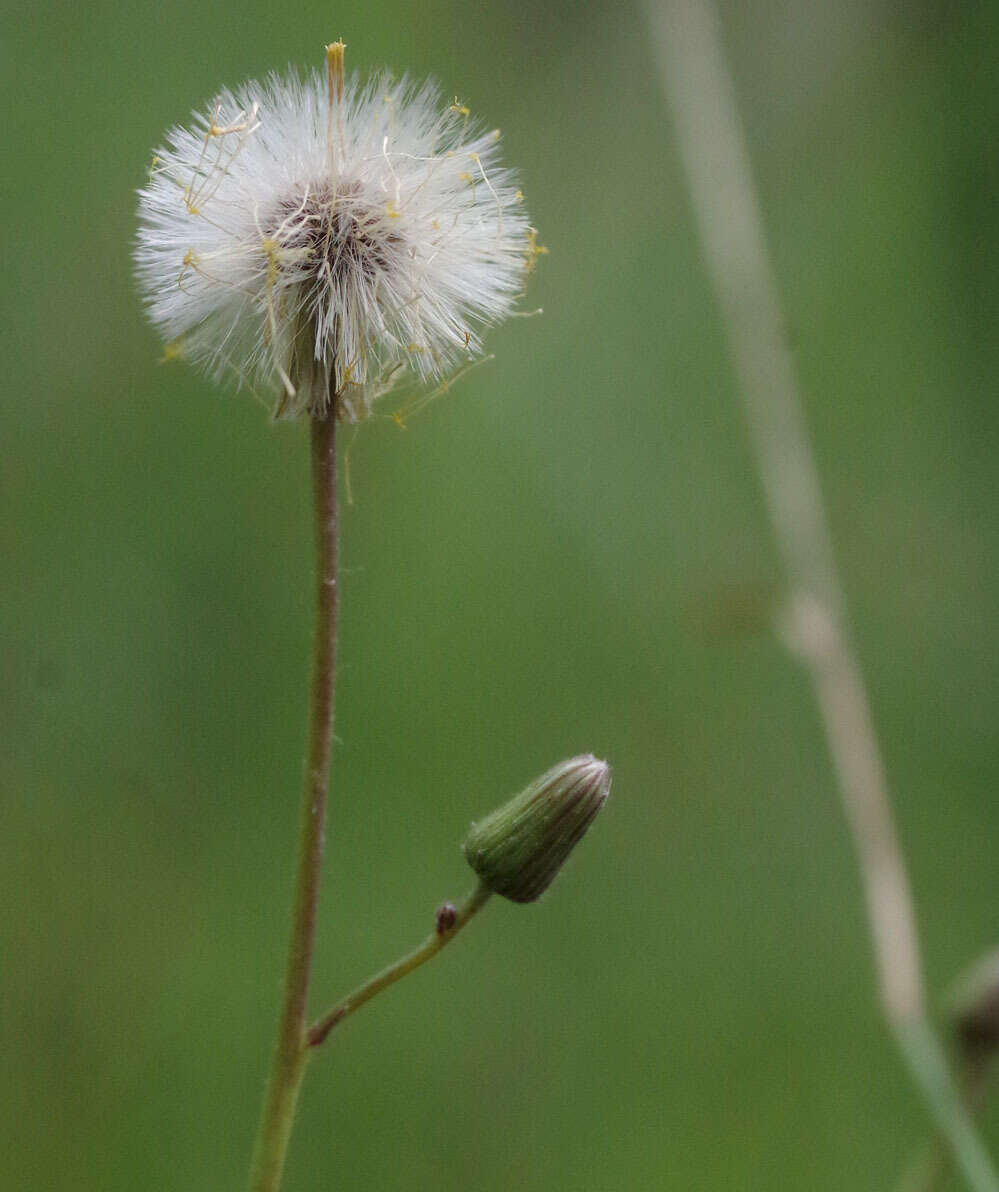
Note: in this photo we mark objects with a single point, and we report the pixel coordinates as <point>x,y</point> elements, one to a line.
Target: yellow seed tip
<point>334,68</point>
<point>533,251</point>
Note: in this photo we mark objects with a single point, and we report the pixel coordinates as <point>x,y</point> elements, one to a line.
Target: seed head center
<point>334,232</point>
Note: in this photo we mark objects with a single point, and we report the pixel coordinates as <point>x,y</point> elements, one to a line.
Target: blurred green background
<point>526,568</point>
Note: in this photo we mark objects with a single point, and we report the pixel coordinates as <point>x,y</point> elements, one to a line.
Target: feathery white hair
<point>323,240</point>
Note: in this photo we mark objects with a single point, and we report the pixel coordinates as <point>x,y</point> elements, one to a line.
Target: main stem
<point>291,1050</point>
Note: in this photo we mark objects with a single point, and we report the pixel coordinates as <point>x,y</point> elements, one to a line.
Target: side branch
<point>450,920</point>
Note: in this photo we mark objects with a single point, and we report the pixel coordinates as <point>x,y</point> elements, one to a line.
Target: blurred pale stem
<point>291,1049</point>
<point>686,39</point>
<point>933,1164</point>
<point>402,967</point>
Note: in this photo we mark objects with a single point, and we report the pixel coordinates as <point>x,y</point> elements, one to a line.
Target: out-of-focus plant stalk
<point>687,41</point>
<point>973,1013</point>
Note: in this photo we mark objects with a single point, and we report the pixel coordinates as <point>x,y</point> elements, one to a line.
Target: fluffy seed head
<point>325,239</point>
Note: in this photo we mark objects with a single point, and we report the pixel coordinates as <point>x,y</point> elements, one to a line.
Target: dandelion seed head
<point>325,239</point>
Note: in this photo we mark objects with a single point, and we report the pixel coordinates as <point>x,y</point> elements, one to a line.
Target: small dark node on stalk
<point>447,916</point>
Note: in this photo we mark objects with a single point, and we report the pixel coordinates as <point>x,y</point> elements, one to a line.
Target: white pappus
<point>324,239</point>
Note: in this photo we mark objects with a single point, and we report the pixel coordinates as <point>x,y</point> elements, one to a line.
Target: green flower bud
<point>519,848</point>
